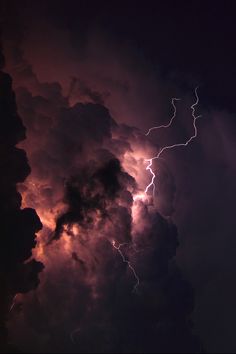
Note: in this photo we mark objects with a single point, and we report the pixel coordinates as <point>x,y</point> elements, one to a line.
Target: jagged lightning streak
<point>152,183</point>
<point>13,303</point>
<point>164,126</point>
<point>118,248</point>
<point>171,120</point>
<point>170,147</point>
<point>149,168</point>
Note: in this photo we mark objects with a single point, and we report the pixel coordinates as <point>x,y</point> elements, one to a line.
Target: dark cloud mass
<point>18,226</point>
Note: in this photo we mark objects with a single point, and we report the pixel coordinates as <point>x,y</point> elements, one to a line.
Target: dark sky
<point>185,36</point>
<point>188,37</point>
<point>185,43</point>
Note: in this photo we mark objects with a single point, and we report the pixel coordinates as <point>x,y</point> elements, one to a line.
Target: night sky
<point>93,257</point>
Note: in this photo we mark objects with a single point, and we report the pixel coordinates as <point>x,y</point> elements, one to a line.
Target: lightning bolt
<point>170,147</point>
<point>150,167</point>
<point>171,120</point>
<point>152,183</point>
<point>164,126</point>
<point>118,248</point>
<point>13,303</point>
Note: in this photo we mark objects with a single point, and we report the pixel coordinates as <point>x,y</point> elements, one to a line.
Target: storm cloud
<point>18,226</point>
<point>88,86</point>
